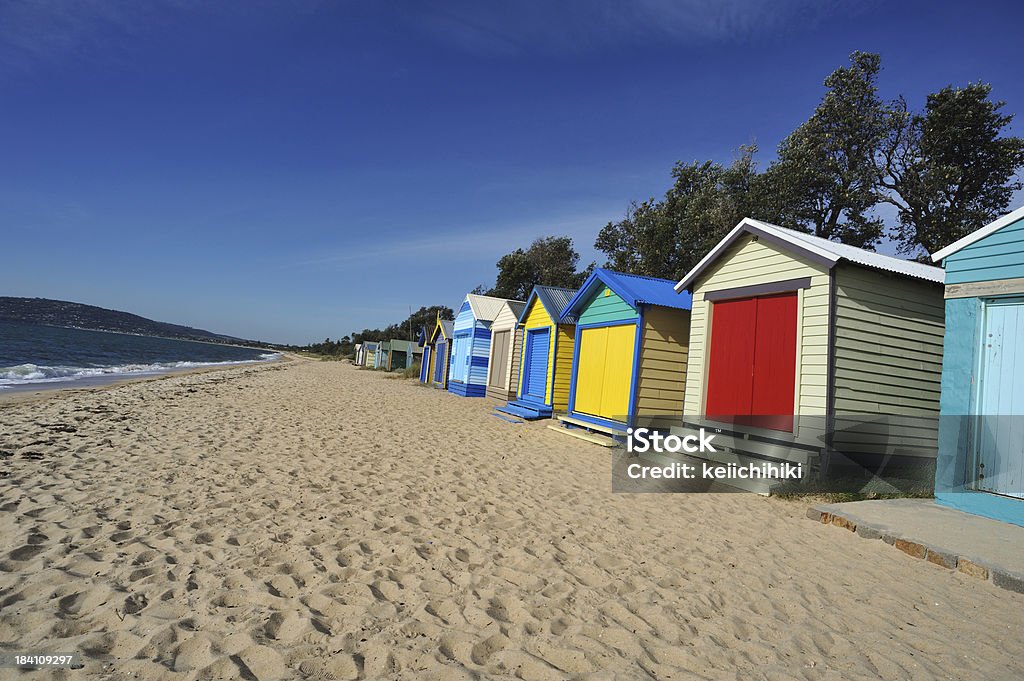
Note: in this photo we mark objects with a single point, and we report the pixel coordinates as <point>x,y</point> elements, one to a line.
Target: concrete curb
<point>968,565</point>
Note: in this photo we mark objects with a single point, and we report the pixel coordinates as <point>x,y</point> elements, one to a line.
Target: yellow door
<point>590,371</point>
<point>605,371</point>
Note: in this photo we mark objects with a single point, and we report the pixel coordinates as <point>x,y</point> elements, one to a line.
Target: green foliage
<point>949,169</point>
<point>332,349</point>
<point>666,238</point>
<point>549,261</point>
<point>825,181</point>
<point>407,328</point>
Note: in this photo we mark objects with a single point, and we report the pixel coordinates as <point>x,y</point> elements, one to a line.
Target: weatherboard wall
<point>998,256</point>
<point>661,382</point>
<point>888,363</point>
<point>472,354</point>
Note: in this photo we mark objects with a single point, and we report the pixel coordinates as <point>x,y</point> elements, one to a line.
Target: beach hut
<point>980,466</point>
<point>421,341</point>
<point>369,356</point>
<point>503,360</point>
<point>403,354</point>
<point>383,355</point>
<point>629,353</point>
<point>809,351</point>
<point>545,357</point>
<point>471,344</point>
<point>440,346</point>
<point>358,357</point>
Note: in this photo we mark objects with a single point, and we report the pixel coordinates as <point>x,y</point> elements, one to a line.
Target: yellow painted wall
<point>563,367</point>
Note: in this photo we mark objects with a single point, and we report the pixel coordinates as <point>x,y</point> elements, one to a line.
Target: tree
<point>666,238</point>
<point>425,316</point>
<point>825,180</point>
<point>949,169</point>
<point>549,261</point>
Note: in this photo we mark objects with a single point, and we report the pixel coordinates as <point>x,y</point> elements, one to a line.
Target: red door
<point>752,361</point>
<point>731,359</point>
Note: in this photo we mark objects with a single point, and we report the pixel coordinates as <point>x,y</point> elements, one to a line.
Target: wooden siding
<point>1000,255</point>
<point>566,341</point>
<point>888,362</point>
<point>517,357</point>
<point>474,356</point>
<point>661,383</point>
<point>606,306</point>
<point>750,262</point>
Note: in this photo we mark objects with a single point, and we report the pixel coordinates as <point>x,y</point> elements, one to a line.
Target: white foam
<point>23,374</point>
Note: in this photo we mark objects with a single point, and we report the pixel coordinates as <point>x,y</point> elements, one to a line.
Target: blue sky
<point>294,170</point>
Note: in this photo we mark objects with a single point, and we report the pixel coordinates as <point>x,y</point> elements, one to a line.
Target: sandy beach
<point>312,520</point>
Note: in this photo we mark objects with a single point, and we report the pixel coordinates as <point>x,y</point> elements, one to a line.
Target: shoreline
<point>28,392</point>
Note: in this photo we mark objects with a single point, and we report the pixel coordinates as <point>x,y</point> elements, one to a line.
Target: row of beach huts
<point>789,347</point>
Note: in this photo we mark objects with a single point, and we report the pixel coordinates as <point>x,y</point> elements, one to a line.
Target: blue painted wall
<point>997,256</point>
<point>475,353</point>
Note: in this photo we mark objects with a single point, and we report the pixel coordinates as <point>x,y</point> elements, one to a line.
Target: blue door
<point>1000,437</point>
<point>460,359</point>
<point>535,372</point>
<point>440,354</point>
<point>425,365</point>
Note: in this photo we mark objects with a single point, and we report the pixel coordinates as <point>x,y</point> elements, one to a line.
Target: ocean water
<point>33,356</point>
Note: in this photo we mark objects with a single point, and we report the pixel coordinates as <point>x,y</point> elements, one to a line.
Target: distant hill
<point>77,315</point>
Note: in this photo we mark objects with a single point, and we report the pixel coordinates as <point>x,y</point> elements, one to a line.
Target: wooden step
<point>580,423</point>
<point>596,439</point>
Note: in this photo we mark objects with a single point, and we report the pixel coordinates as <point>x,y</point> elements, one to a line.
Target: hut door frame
<point>992,461</point>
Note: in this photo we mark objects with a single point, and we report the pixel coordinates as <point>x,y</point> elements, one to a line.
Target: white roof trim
<point>757,225</point>
<point>978,235</point>
<point>486,308</point>
<point>823,251</point>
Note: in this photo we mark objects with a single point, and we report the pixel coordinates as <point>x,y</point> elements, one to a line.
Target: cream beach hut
<point>808,351</point>
<point>503,362</point>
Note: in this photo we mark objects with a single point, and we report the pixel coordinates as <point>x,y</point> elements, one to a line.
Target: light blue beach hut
<point>471,344</point>
<point>980,466</point>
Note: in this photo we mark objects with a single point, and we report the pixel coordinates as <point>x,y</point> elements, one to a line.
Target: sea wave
<point>23,374</point>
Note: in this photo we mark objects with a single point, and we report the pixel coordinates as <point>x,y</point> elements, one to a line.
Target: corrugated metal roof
<point>486,308</point>
<point>447,326</point>
<point>555,299</point>
<point>517,307</point>
<point>633,288</point>
<point>815,248</point>
<point>405,346</point>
